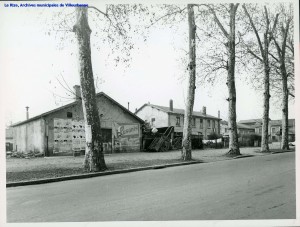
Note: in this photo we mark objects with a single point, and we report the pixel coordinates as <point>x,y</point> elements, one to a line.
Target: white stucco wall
<point>149,112</point>
<point>29,137</point>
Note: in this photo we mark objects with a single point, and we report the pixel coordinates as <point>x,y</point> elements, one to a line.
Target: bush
<point>213,136</point>
<point>249,140</point>
<point>197,143</point>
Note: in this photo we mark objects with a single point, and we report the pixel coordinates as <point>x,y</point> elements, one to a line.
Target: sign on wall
<point>126,136</point>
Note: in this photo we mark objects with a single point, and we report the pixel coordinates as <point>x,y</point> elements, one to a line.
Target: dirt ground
<point>20,169</point>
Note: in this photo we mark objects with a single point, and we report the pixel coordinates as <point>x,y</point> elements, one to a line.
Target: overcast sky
<point>31,63</point>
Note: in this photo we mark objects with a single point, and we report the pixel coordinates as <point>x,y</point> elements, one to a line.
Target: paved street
<point>261,187</point>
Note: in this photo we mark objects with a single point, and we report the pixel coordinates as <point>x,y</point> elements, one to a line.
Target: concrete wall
<point>148,113</point>
<point>29,137</point>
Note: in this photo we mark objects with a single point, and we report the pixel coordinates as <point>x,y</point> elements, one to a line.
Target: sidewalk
<point>18,169</point>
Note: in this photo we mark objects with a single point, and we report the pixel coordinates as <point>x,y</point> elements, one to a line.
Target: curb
<point>243,156</point>
<point>89,175</point>
<point>285,151</point>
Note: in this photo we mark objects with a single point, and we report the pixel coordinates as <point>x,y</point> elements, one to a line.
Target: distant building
<point>9,135</point>
<point>9,139</point>
<point>223,127</point>
<point>241,128</point>
<point>203,124</point>
<point>61,131</point>
<point>274,128</point>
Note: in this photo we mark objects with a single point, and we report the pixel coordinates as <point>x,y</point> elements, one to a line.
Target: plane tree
<point>262,25</point>
<point>283,63</point>
<point>220,57</point>
<point>206,22</point>
<point>113,25</point>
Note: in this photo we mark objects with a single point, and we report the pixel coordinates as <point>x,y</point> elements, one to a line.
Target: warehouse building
<point>62,132</point>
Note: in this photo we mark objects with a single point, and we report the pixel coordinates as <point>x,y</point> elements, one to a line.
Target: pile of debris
<point>30,154</point>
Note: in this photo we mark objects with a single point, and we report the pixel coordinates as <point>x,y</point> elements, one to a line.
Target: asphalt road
<point>249,188</point>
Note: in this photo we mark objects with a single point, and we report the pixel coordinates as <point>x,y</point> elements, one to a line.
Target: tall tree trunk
<point>233,135</point>
<point>281,56</point>
<point>94,158</point>
<point>285,114</point>
<point>264,59</point>
<point>265,118</point>
<point>186,152</point>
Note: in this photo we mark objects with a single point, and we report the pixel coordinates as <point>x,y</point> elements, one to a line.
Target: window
<point>152,121</point>
<point>259,130</point>
<point>213,123</point>
<point>178,121</point>
<point>69,115</point>
<point>273,130</point>
<point>193,122</point>
<point>201,123</point>
<point>208,123</point>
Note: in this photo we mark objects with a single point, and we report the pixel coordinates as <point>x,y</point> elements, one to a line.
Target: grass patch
<point>60,170</point>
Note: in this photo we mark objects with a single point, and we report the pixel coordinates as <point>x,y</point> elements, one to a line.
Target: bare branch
<point>109,19</point>
<point>276,59</point>
<point>166,15</point>
<point>255,31</point>
<point>254,55</point>
<point>218,21</point>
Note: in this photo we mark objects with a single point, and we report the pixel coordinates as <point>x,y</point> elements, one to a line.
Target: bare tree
<point>115,29</point>
<point>263,57</point>
<point>94,158</point>
<point>186,152</point>
<point>284,48</point>
<point>174,12</point>
<point>230,44</point>
<point>170,15</point>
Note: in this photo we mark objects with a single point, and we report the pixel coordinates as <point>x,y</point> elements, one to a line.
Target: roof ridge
<point>73,103</point>
<point>166,109</point>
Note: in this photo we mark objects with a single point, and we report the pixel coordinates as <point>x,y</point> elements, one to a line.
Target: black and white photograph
<point>163,113</point>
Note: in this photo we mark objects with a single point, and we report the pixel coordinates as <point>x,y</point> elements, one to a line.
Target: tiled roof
<point>250,121</point>
<point>224,123</point>
<point>279,122</point>
<point>239,125</point>
<point>179,111</point>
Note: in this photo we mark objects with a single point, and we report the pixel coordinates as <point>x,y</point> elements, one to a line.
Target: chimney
<point>204,110</point>
<point>128,105</point>
<point>218,113</point>
<point>77,92</point>
<point>27,113</point>
<point>171,104</point>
